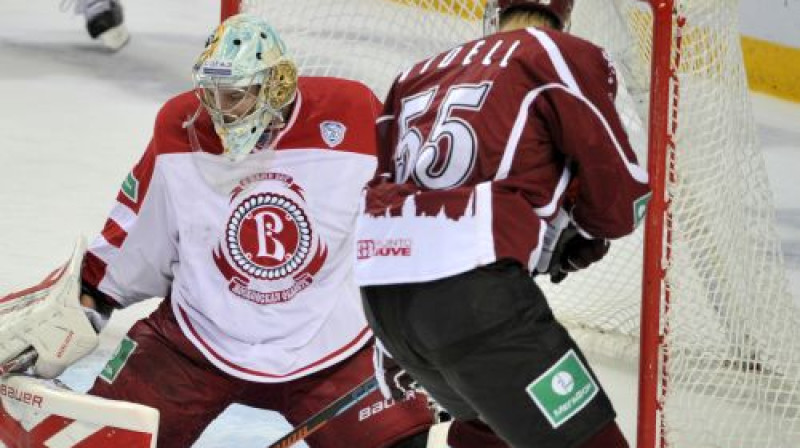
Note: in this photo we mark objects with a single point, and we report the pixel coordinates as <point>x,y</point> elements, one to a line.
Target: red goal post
<point>698,297</point>
<point>228,8</point>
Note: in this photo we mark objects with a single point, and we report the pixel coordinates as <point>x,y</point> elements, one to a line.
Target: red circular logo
<point>268,236</point>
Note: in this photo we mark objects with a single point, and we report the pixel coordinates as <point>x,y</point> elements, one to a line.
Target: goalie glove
<point>393,381</point>
<point>49,318</point>
<point>573,252</point>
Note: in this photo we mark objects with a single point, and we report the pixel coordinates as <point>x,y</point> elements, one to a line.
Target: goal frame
<point>663,107</point>
<point>661,127</point>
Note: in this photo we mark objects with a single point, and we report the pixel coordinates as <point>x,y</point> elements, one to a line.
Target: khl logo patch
<point>124,351</point>
<point>332,132</point>
<point>563,390</point>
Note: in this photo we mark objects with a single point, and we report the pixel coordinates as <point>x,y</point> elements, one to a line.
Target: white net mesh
<point>731,346</point>
<point>367,40</point>
<point>731,329</point>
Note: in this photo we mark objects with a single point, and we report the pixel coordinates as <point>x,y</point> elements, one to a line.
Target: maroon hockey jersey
<point>480,147</point>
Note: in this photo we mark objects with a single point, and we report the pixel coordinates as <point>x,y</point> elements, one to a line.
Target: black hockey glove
<point>574,252</point>
<point>100,311</point>
<point>393,381</point>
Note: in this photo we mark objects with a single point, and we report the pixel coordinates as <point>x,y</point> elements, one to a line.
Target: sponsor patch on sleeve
<point>124,351</point>
<point>130,187</point>
<point>640,209</point>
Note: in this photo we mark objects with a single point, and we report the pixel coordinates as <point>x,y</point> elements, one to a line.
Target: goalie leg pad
<point>157,366</point>
<point>35,412</point>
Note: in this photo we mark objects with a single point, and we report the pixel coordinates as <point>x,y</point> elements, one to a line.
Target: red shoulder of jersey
<point>588,62</point>
<point>170,134</point>
<point>169,137</point>
<point>332,113</point>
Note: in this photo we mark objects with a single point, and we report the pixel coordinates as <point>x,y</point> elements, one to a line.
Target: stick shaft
<point>316,421</point>
<point>21,362</point>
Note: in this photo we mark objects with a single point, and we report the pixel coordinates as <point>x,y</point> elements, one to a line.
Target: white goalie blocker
<point>46,326</point>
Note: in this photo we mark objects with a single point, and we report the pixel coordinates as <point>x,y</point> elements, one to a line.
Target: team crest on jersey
<point>332,132</point>
<point>269,252</point>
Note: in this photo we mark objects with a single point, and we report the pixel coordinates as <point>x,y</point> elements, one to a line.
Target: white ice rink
<point>74,119</point>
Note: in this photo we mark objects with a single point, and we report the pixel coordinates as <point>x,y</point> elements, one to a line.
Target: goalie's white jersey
<point>256,256</point>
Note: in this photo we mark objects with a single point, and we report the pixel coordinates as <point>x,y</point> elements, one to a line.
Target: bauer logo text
<point>21,396</point>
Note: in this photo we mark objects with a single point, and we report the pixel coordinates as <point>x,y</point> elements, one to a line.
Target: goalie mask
<point>245,81</point>
<point>559,10</point>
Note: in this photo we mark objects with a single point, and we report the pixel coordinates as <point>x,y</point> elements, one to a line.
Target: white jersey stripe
<point>561,187</point>
<point>102,249</point>
<point>516,133</point>
<point>123,216</point>
<point>572,86</point>
<point>383,118</point>
<point>533,261</point>
<point>637,172</point>
<point>323,361</point>
<point>556,58</point>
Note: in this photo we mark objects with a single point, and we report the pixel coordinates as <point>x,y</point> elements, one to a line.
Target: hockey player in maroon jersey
<point>478,147</point>
<point>241,214</point>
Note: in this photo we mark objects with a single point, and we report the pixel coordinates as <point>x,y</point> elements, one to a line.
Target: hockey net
<point>729,357</point>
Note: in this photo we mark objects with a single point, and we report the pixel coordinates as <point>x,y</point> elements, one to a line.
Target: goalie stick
<point>18,364</point>
<point>316,421</point>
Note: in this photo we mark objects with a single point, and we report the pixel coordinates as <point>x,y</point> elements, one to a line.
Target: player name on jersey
<point>499,53</point>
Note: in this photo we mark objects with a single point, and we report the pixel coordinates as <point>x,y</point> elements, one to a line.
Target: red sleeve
<point>376,108</point>
<point>168,136</point>
<point>612,188</point>
<point>364,108</point>
<point>131,196</point>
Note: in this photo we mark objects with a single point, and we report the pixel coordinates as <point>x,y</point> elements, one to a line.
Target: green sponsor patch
<point>640,208</point>
<point>117,362</point>
<point>130,187</point>
<point>563,390</point>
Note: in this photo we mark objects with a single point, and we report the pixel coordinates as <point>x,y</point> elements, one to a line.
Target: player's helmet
<point>245,81</point>
<point>559,10</point>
